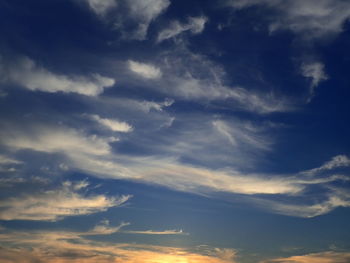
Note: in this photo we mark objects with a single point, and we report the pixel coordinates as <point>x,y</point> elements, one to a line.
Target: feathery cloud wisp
<point>195,25</point>
<point>55,204</point>
<point>27,74</point>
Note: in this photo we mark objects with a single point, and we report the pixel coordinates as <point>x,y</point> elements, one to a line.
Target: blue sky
<point>174,131</point>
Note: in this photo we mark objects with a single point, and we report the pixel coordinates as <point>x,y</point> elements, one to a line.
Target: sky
<point>163,131</point>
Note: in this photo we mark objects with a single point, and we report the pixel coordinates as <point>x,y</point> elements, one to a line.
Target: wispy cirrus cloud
<point>101,7</point>
<point>189,76</point>
<point>236,134</point>
<point>336,162</point>
<point>303,17</point>
<point>98,155</point>
<point>26,73</point>
<point>195,25</point>
<point>144,12</point>
<point>55,204</point>
<point>153,232</point>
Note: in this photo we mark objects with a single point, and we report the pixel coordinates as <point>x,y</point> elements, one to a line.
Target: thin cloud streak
<point>152,232</point>
<point>27,74</point>
<point>321,257</point>
<point>55,204</point>
<point>195,25</point>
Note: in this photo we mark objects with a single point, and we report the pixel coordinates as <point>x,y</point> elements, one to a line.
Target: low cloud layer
<point>62,247</point>
<point>322,257</point>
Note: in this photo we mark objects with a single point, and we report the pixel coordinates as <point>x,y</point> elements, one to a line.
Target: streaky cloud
<point>26,73</point>
<point>321,257</point>
<point>64,247</point>
<point>55,204</point>
<point>335,162</point>
<point>153,232</point>
<point>303,17</point>
<point>195,25</point>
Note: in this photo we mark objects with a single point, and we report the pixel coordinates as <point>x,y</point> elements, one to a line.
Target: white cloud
<point>55,204</point>
<point>8,160</point>
<point>93,155</point>
<point>236,134</point>
<point>304,17</point>
<point>101,7</point>
<point>331,199</point>
<point>112,124</point>
<point>314,71</point>
<point>26,73</point>
<point>335,162</point>
<point>193,77</point>
<point>308,211</point>
<point>144,70</point>
<point>57,139</point>
<point>195,25</point>
<point>158,106</point>
<point>104,229</point>
<point>152,232</point>
<point>144,12</point>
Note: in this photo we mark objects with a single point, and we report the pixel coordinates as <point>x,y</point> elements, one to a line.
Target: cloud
<point>314,71</point>
<point>64,247</point>
<point>112,124</point>
<point>101,7</point>
<point>307,211</point>
<point>152,232</point>
<point>241,135</point>
<point>104,229</point>
<point>25,73</point>
<point>8,160</point>
<point>144,70</point>
<point>158,106</point>
<point>55,204</point>
<point>193,77</point>
<point>322,257</point>
<point>93,155</point>
<point>335,162</point>
<point>303,17</point>
<point>134,20</point>
<point>58,139</point>
<point>195,25</point>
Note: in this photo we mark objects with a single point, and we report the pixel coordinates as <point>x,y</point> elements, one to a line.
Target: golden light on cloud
<point>322,257</point>
<point>73,247</point>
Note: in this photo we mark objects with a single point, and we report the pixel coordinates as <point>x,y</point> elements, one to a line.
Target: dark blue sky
<point>174,131</point>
